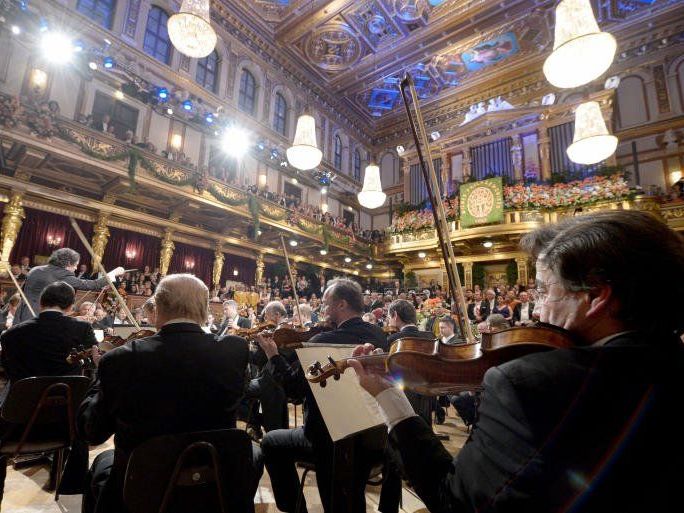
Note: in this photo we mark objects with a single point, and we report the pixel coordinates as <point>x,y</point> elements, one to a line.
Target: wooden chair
<point>205,471</point>
<point>39,417</point>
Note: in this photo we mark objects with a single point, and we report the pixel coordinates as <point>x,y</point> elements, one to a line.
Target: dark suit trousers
<point>273,401</point>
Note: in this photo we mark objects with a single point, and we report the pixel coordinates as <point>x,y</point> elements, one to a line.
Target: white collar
<point>55,309</point>
<point>408,326</point>
<point>179,320</point>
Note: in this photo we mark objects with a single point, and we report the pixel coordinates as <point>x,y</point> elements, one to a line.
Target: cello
<point>429,366</point>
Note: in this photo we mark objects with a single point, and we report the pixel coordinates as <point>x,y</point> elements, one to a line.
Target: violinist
<point>589,428</point>
<point>61,266</point>
<point>39,347</point>
<point>231,318</point>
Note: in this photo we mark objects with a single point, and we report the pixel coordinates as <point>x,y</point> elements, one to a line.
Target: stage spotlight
<point>400,150</point>
<point>274,154</point>
<point>209,118</point>
<point>163,94</point>
<point>422,254</point>
<point>108,62</point>
<point>488,244</point>
<point>235,142</point>
<point>347,259</point>
<point>43,25</point>
<point>369,266</point>
<point>169,111</point>
<point>324,252</point>
<point>118,94</point>
<point>261,146</point>
<point>324,190</point>
<point>293,243</point>
<point>435,135</point>
<point>57,47</point>
<point>295,181</point>
<point>187,105</point>
<point>92,65</point>
<point>78,45</point>
<point>16,30</point>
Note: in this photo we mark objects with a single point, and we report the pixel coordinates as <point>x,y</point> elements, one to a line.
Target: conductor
<point>61,266</point>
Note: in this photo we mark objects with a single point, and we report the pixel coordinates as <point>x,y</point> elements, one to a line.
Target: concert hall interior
<point>212,209</point>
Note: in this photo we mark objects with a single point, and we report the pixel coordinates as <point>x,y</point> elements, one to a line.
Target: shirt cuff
<point>394,407</point>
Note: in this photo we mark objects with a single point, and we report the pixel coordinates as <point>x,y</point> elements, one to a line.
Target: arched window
<point>157,43</point>
<point>280,115</point>
<point>207,71</point>
<point>100,11</point>
<point>337,160</point>
<point>357,165</point>
<point>247,96</point>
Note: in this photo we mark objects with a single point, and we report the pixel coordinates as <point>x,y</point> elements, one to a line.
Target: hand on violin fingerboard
<point>370,381</point>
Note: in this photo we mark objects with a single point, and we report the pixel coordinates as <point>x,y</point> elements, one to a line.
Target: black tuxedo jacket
<point>177,381</point>
<point>409,331</point>
<point>42,276</point>
<point>471,311</point>
<point>40,346</point>
<point>485,311</point>
<point>585,430</point>
<point>243,322</point>
<point>518,308</point>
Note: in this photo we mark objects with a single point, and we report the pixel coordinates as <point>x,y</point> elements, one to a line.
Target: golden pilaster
<point>219,259</point>
<point>11,224</point>
<point>259,275</point>
<point>100,237</point>
<point>468,275</point>
<point>517,157</point>
<point>167,247</point>
<point>545,155</point>
<point>522,270</point>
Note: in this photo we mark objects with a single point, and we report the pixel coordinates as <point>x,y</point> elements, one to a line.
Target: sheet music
<point>345,406</point>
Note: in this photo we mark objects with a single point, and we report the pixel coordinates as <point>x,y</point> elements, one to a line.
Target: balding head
<point>181,296</point>
<point>274,312</point>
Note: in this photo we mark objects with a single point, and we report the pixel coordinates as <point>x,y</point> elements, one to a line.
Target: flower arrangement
<point>525,196</point>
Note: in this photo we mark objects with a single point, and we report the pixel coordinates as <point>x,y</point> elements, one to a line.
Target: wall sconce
<point>54,241</point>
<point>262,180</point>
<point>235,272</point>
<point>38,80</point>
<point>176,141</point>
<point>675,176</point>
<point>131,254</point>
<point>190,264</point>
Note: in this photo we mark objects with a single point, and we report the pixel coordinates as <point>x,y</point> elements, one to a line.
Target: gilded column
<point>167,247</point>
<point>100,237</point>
<point>219,259</point>
<point>522,270</point>
<point>545,155</point>
<point>259,275</point>
<point>11,224</point>
<point>468,275</point>
<point>517,157</point>
<point>467,171</point>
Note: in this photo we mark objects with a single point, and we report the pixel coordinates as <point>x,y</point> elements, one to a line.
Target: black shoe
<point>440,416</point>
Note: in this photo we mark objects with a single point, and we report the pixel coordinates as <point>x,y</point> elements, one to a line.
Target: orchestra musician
<point>343,305</point>
<point>139,393</point>
<point>590,428</point>
<point>231,318</point>
<point>40,347</point>
<point>61,266</point>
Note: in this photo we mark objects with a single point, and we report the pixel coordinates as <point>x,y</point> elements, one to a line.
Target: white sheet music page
<point>345,406</point>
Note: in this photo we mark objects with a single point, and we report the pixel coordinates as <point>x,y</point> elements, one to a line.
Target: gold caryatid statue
<point>259,275</point>
<point>11,224</point>
<point>219,259</point>
<point>100,236</point>
<point>167,247</point>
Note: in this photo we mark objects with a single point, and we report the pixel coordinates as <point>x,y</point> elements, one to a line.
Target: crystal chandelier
<point>304,153</point>
<point>592,142</point>
<point>581,52</point>
<point>371,196</point>
<point>190,29</point>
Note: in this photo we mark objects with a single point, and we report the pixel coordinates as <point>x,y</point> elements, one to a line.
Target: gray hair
<point>497,321</point>
<point>347,290</point>
<point>305,311</point>
<point>64,257</point>
<point>182,295</point>
<point>275,307</point>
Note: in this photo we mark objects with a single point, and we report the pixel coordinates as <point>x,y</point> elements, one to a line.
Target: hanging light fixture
<point>190,29</point>
<point>581,52</point>
<point>371,196</point>
<point>592,142</point>
<point>304,153</point>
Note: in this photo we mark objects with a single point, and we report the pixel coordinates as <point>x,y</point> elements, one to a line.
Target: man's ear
<point>599,300</point>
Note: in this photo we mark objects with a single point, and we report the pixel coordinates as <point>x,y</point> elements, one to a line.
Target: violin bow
<point>289,272</point>
<point>19,289</point>
<point>438,212</point>
<point>98,265</point>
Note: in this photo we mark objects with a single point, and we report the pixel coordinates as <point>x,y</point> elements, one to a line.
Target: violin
<point>287,336</point>
<point>249,333</point>
<point>116,340</point>
<point>430,367</point>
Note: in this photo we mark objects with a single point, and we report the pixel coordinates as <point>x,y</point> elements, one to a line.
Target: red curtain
<point>39,227</point>
<point>131,250</point>
<point>245,267</point>
<point>193,260</point>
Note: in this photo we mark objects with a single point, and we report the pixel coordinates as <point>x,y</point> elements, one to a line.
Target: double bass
<point>429,366</point>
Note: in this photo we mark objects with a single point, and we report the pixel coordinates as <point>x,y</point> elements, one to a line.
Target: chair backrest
<point>208,471</point>
<point>49,398</point>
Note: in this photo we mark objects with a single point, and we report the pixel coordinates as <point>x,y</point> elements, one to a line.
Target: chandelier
<point>190,29</point>
<point>371,196</point>
<point>304,153</point>
<point>581,52</point>
<point>592,142</point>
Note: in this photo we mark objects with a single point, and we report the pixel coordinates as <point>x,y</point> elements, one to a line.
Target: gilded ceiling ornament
<point>333,47</point>
<point>410,10</point>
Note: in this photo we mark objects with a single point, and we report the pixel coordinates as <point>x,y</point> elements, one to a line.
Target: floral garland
<point>526,196</point>
<point>216,192</point>
<point>253,205</point>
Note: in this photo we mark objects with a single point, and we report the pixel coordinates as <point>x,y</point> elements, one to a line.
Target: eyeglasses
<point>543,294</point>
